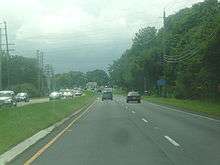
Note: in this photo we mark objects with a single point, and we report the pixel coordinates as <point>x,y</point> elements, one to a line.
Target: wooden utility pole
<point>0,59</point>
<point>4,49</point>
<point>48,75</point>
<point>6,38</point>
<point>40,59</point>
<point>164,33</point>
<point>163,90</point>
<point>7,53</point>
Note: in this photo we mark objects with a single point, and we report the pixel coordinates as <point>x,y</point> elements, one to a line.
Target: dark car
<point>133,96</point>
<point>22,97</point>
<point>107,95</point>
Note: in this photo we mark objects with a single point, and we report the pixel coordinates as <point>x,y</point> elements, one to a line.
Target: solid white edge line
<point>144,120</point>
<point>172,141</point>
<point>204,117</point>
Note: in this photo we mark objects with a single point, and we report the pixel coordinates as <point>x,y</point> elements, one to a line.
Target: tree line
<point>185,53</point>
<point>23,74</point>
<point>79,79</point>
<point>19,73</point>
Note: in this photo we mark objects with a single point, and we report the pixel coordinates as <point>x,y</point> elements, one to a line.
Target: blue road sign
<point>161,82</point>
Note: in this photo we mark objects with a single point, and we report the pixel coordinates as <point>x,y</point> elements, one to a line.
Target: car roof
<point>7,92</point>
<point>106,91</point>
<point>133,93</point>
<point>22,93</point>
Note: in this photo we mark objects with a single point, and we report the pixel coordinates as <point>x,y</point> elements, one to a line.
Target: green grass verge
<point>118,91</point>
<point>19,123</point>
<point>211,109</point>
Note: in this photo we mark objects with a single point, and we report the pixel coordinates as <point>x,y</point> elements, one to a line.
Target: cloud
<point>71,28</point>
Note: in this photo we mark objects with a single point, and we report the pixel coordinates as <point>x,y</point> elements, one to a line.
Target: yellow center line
<point>44,148</point>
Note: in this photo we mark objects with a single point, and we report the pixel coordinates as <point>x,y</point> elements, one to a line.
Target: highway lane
<point>197,135</point>
<point>115,132</point>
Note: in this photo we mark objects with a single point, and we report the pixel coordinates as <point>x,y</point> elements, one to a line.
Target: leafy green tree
<point>70,80</point>
<point>99,76</point>
<point>185,53</point>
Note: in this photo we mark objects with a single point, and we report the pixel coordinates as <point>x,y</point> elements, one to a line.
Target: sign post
<point>160,84</point>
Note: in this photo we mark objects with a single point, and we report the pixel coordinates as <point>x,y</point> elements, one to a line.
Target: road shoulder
<point>14,152</point>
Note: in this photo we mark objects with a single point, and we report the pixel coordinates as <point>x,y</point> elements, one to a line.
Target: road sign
<point>161,82</point>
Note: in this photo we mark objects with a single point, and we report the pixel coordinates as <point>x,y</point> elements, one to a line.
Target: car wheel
<point>127,101</point>
<point>139,101</point>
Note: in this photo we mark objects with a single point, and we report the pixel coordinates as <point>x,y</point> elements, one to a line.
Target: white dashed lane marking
<point>144,120</point>
<point>172,141</point>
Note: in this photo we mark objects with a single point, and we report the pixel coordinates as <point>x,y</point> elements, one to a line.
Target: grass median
<point>206,108</point>
<point>19,123</point>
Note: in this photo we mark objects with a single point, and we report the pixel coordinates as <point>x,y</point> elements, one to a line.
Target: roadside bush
<point>26,87</point>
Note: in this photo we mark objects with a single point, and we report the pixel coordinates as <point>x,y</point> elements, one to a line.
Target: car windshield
<point>108,82</point>
<point>54,93</point>
<point>107,92</point>
<point>21,94</point>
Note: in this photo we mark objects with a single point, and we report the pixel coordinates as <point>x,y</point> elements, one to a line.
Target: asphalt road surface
<point>117,133</point>
<point>33,101</point>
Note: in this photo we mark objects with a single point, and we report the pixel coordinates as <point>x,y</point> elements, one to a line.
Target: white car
<point>67,94</point>
<point>22,97</point>
<point>7,98</point>
<point>78,93</point>
<point>55,95</point>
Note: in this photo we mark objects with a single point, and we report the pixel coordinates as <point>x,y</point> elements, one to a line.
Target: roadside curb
<point>21,147</point>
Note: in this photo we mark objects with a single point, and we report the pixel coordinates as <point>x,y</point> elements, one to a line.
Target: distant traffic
<point>66,93</point>
<point>9,98</point>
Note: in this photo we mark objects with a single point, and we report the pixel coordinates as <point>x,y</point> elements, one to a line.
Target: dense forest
<point>185,54</point>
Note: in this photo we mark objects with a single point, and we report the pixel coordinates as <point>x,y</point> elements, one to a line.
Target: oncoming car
<point>7,98</point>
<point>78,93</point>
<point>133,96</point>
<point>107,95</point>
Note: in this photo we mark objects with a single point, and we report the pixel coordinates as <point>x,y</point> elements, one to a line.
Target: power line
<point>189,55</point>
<point>182,55</point>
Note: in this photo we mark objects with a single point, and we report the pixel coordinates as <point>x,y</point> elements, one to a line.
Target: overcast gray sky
<point>81,34</point>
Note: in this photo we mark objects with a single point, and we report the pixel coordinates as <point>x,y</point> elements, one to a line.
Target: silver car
<point>7,98</point>
<point>55,95</point>
<point>22,97</point>
<point>78,93</point>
